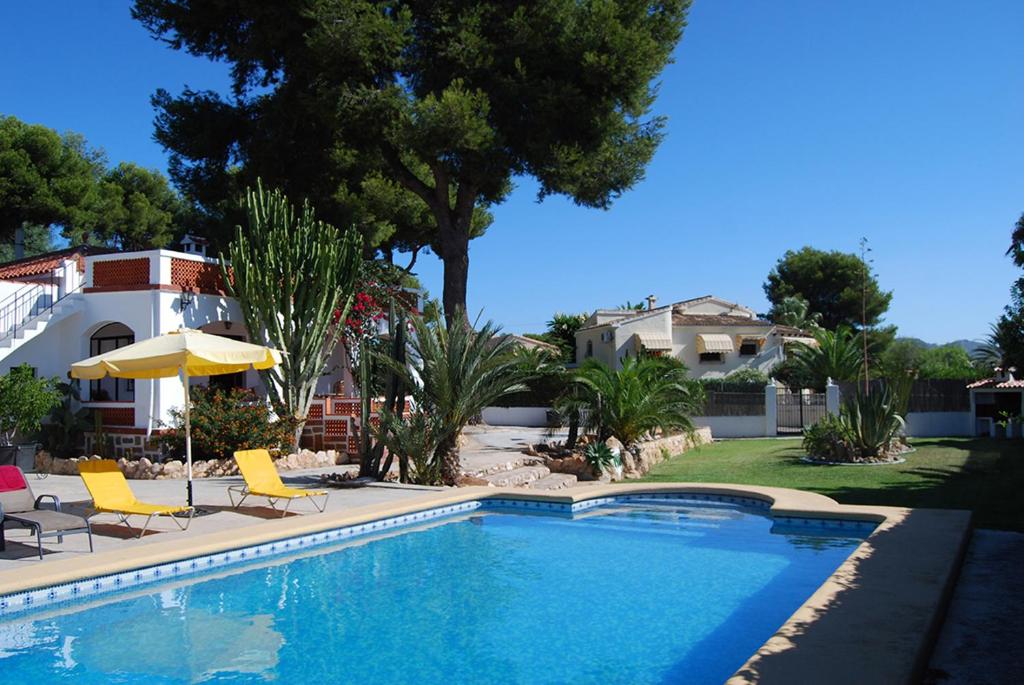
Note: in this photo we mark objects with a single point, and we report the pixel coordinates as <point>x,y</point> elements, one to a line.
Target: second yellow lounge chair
<point>111,494</point>
<point>262,480</point>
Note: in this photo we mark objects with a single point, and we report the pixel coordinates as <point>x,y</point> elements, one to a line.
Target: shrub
<point>65,427</point>
<point>226,421</point>
<point>740,380</point>
<point>24,401</point>
<point>826,440</point>
<point>600,457</point>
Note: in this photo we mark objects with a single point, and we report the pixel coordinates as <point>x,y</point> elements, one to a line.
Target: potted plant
<point>1001,425</point>
<point>24,401</point>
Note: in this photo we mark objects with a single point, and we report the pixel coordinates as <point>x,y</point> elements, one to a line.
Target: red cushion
<point>11,479</point>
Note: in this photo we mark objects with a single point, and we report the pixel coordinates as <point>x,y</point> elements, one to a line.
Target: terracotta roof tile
<point>999,385</point>
<point>716,320</point>
<point>45,263</point>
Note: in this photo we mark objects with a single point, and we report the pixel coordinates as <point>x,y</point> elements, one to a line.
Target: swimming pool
<point>638,589</point>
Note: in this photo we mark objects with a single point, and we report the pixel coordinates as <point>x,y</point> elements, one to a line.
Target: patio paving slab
<point>209,493</point>
<point>980,642</point>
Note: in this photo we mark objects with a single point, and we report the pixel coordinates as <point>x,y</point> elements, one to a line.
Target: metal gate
<point>798,410</point>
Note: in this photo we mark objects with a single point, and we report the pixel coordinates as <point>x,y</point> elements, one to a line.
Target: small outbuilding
<point>997,399</point>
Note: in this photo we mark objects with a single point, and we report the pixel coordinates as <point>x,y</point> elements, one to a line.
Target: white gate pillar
<point>832,398</point>
<point>771,409</point>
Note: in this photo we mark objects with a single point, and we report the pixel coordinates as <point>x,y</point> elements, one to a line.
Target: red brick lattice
<point>335,428</point>
<point>201,276</point>
<point>120,272</point>
<point>316,413</point>
<point>346,408</point>
<point>118,416</point>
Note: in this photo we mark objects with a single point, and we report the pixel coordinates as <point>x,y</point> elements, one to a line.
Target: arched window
<point>111,337</point>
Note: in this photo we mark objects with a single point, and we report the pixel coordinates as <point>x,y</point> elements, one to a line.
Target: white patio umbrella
<point>186,352</point>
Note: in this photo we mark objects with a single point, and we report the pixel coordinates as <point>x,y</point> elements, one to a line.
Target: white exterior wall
<point>658,323</point>
<point>734,426</point>
<point>147,312</point>
<point>938,424</point>
<point>603,351</point>
<point>684,347</point>
<point>516,416</point>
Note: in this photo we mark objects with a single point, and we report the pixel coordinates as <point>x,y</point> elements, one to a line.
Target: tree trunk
<point>454,226</point>
<point>448,454</point>
<point>574,431</point>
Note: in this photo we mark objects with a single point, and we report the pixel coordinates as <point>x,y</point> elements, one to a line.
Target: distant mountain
<point>969,345</point>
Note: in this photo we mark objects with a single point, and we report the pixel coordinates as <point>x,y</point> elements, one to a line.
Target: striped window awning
<point>787,339</point>
<point>759,340</point>
<point>653,341</point>
<point>713,342</point>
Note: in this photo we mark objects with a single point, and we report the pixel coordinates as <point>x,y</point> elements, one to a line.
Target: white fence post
<point>771,409</point>
<point>832,398</point>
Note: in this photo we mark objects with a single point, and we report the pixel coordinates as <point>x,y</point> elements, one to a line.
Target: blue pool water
<point>658,591</point>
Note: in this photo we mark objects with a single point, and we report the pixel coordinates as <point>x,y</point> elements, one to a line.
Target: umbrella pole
<point>188,436</point>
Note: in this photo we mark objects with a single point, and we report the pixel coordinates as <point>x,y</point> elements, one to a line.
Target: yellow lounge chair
<point>111,494</point>
<point>262,480</point>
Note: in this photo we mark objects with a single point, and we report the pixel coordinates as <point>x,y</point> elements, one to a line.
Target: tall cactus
<point>292,274</point>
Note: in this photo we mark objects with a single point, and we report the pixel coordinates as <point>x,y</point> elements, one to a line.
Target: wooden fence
<point>938,395</point>
<point>734,404</point>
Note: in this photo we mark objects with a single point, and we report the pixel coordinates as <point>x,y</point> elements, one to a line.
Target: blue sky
<point>790,123</point>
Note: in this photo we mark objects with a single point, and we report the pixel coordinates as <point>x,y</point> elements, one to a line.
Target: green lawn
<point>986,476</point>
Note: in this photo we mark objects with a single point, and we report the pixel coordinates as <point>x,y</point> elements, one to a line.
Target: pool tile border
<point>17,603</point>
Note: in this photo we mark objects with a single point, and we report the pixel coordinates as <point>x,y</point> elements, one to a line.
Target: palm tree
<point>994,351</point>
<point>836,355</point>
<point>460,371</point>
<point>646,395</point>
<point>794,311</point>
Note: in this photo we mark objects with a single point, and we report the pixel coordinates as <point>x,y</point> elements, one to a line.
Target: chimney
<point>651,299</point>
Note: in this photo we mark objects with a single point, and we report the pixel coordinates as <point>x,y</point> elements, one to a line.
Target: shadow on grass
<point>987,479</point>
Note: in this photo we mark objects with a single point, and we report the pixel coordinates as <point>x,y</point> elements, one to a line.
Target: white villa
<point>712,336</point>
<point>61,307</point>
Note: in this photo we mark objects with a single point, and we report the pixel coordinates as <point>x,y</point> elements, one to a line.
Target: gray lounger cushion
<point>49,520</point>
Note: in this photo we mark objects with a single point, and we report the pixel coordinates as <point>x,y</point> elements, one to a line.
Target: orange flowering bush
<point>224,421</point>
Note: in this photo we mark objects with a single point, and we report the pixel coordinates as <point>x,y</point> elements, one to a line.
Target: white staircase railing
<point>22,307</point>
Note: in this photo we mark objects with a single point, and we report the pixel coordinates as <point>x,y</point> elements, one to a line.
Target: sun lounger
<point>262,480</point>
<point>18,505</point>
<point>111,494</point>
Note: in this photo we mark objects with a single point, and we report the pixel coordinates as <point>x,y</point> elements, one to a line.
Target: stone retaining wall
<point>637,463</point>
<point>651,452</point>
<point>145,469</point>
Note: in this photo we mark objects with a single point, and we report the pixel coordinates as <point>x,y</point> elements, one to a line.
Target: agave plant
<point>646,395</point>
<point>837,355</point>
<point>459,369</point>
<point>872,421</point>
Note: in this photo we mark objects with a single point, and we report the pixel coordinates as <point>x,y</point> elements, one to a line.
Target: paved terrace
<point>209,493</point>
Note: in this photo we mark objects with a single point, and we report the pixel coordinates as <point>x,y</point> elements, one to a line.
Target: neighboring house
<point>59,308</point>
<point>526,343</point>
<point>712,336</point>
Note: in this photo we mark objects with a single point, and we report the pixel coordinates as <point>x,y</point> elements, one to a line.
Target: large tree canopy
<point>47,178</point>
<point>831,283</point>
<point>447,101</point>
<point>142,210</point>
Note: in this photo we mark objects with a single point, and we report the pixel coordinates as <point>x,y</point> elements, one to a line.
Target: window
<point>111,337</point>
<point>712,357</point>
<point>748,348</point>
<point>590,349</point>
